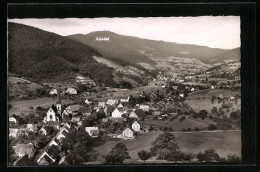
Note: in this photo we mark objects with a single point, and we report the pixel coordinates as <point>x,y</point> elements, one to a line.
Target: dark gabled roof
<point>140,113</point>
<point>52,151</point>
<point>110,108</point>
<point>85,110</point>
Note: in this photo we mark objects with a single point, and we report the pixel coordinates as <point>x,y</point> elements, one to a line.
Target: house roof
<point>23,146</point>
<point>74,108</point>
<point>109,109</point>
<point>85,110</point>
<point>140,113</point>
<point>52,123</point>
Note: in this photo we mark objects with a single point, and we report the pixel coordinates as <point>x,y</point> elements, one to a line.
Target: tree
<point>209,155</point>
<point>144,155</point>
<point>165,143</point>
<point>233,115</point>
<point>233,158</point>
<point>118,154</point>
<point>213,99</point>
<point>77,144</point>
<point>212,127</point>
<point>203,114</point>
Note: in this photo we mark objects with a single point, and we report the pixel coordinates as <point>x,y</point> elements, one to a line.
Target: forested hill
<point>137,50</point>
<point>39,55</point>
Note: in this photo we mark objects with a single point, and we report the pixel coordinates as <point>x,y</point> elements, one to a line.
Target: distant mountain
<point>40,56</point>
<point>136,50</point>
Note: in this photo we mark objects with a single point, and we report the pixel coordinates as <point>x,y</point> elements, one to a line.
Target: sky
<point>215,32</point>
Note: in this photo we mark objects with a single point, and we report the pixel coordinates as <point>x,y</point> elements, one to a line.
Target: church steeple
<point>58,104</point>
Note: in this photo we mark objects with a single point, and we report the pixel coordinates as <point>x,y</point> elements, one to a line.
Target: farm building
<point>53,91</point>
<point>71,91</point>
<point>92,131</point>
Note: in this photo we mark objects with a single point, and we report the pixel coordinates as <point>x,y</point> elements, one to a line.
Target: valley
<point>74,98</point>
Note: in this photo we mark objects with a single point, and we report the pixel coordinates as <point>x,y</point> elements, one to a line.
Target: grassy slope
<point>224,142</point>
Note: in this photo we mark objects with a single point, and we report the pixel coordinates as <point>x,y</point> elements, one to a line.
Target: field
<point>176,124</point>
<point>19,87</point>
<point>224,142</point>
<point>22,106</point>
<point>202,100</point>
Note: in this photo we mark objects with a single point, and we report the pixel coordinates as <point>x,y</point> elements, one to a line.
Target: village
<point>164,105</point>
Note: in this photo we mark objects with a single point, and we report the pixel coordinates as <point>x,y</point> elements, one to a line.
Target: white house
<point>12,119</point>
<point>181,95</point>
<point>128,134</point>
<point>136,126</point>
<point>92,131</point>
<point>102,104</point>
<point>212,87</point>
<point>192,89</point>
<point>87,102</point>
<point>116,113</point>
<point>62,133</point>
<point>71,91</point>
<point>53,91</point>
<point>14,132</point>
<point>111,102</point>
<point>125,100</point>
<point>43,131</point>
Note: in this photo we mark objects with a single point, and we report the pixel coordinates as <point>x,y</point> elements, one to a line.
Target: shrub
<point>182,118</point>
<point>212,127</point>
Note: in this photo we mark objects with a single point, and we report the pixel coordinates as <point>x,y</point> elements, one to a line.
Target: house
<point>127,134</point>
<point>53,124</point>
<point>51,116</point>
<point>118,120</point>
<point>23,149</point>
<point>62,133</point>
<point>101,104</point>
<point>53,91</point>
<point>120,106</point>
<point>156,113</point>
<point>31,127</point>
<point>105,119</point>
<point>124,100</point>
<point>72,109</point>
<point>144,107</point>
<point>45,159</point>
<point>87,101</point>
<point>43,131</point>
<point>116,113</point>
<point>140,113</point>
<point>136,126</point>
<point>92,131</point>
<point>75,119</point>
<point>212,87</point>
<point>181,95</point>
<point>133,115</point>
<point>86,111</point>
<point>71,91</point>
<point>112,102</point>
<point>109,109</point>
<point>49,155</point>
<point>12,119</point>
<point>24,131</point>
<point>14,132</point>
<point>192,89</point>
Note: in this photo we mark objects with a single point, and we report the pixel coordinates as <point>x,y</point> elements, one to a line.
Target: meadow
<point>224,142</point>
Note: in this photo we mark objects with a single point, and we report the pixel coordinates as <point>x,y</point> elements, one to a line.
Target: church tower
<point>58,104</point>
